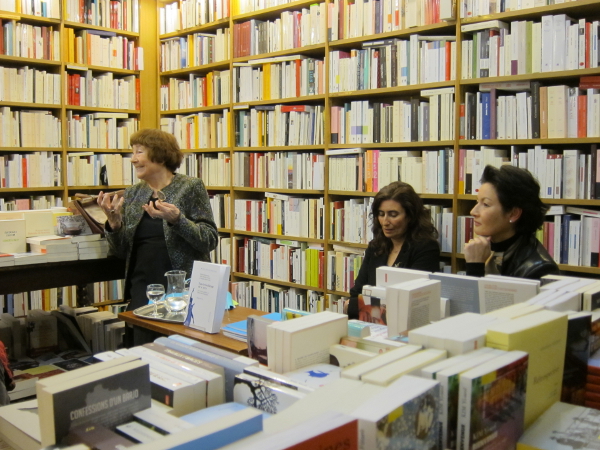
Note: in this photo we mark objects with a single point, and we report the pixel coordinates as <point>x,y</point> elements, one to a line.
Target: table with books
<point>217,339</point>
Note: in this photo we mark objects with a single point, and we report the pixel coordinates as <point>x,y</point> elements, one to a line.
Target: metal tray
<point>144,311</point>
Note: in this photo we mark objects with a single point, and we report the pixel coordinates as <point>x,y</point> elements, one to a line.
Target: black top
<point>422,255</point>
<point>149,260</point>
<point>522,256</point>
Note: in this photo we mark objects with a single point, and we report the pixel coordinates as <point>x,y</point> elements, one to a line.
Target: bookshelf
<point>343,45</point>
<point>38,93</point>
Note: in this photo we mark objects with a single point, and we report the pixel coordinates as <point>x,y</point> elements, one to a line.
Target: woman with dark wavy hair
<point>403,237</point>
<point>506,216</point>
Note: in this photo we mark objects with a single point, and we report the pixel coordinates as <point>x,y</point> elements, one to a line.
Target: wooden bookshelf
<point>460,203</point>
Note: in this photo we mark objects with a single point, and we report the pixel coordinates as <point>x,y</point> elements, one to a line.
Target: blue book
<point>486,116</point>
<point>206,415</point>
<point>564,238</point>
<point>213,434</point>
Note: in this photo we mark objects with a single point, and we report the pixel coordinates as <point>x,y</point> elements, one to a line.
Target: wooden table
<point>217,339</point>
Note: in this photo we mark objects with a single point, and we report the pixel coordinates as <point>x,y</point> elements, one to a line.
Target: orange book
<point>582,116</point>
<point>24,171</point>
<point>369,171</point>
<point>543,112</point>
<point>298,77</point>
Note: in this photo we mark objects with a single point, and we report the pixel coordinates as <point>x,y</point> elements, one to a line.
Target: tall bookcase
<point>328,174</point>
<point>43,108</point>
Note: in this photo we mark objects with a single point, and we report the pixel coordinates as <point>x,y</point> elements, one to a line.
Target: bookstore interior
<point>295,114</point>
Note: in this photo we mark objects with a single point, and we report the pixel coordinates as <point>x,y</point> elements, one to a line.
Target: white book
<point>412,304</point>
<point>357,371</point>
<point>411,364</point>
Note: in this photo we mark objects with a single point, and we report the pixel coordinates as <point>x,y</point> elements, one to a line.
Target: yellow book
<point>196,131</point>
<point>543,335</point>
<point>209,89</point>
<point>267,81</point>
<point>190,46</point>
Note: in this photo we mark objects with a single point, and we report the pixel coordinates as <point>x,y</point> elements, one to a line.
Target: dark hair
<point>517,188</point>
<point>419,226</point>
<point>162,147</point>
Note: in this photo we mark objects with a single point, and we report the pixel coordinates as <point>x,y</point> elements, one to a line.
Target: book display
<point>305,110</point>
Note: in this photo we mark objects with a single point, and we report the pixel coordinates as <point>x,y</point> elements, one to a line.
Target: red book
<point>582,116</point>
<point>137,93</point>
<point>589,82</point>
<point>76,86</point>
<point>24,171</point>
<point>588,46</point>
<point>448,60</point>
<point>592,387</point>
<point>298,108</point>
<point>298,63</point>
<point>591,404</point>
<point>248,215</point>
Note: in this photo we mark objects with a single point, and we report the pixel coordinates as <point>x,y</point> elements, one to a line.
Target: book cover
<point>543,335</point>
<point>492,403</point>
<point>260,394</point>
<point>107,397</point>
<point>563,426</point>
<point>403,416</point>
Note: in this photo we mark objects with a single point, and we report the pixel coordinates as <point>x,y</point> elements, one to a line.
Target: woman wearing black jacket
<point>403,237</point>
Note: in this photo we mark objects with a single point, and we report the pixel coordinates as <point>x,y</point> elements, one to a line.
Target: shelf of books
<point>296,113</point>
<point>71,77</point>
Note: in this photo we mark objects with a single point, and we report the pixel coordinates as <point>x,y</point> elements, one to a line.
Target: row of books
<point>194,50</point>
<point>283,170</point>
<point>50,9</point>
<point>29,85</point>
<point>470,8</point>
<point>350,220</point>
<point>393,62</point>
<point>103,91</point>
<point>553,44</point>
<point>279,125</point>
<point>243,7</point>
<point>20,303</point>
<point>196,91</point>
<point>29,41</point>
<point>281,214</point>
<point>102,48</point>
<point>293,29</point>
<point>572,174</point>
<point>102,169</point>
<point>29,128</point>
<point>364,170</point>
<point>570,235</point>
<point>547,112</point>
<point>32,202</point>
<point>279,77</point>
<point>109,130</point>
<point>272,298</point>
<point>363,121</point>
<point>212,168</point>
<point>200,130</point>
<point>35,169</point>
<point>364,17</point>
<point>175,16</point>
<point>275,259</point>
<point>342,269</point>
<point>117,14</point>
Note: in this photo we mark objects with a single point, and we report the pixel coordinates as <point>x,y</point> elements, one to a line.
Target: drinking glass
<point>155,293</point>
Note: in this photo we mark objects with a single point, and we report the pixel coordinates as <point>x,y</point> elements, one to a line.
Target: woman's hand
<point>112,208</point>
<point>478,250</point>
<point>163,210</point>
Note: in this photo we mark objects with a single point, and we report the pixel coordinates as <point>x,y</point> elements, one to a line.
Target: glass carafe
<point>176,296</point>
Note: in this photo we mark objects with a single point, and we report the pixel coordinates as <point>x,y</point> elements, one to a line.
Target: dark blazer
<point>191,238</point>
<point>525,258</point>
<point>422,255</point>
